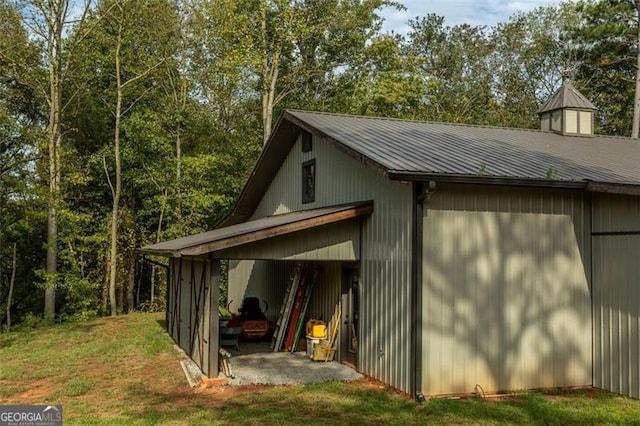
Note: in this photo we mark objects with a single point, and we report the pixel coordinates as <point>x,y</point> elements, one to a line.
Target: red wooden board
<point>295,313</point>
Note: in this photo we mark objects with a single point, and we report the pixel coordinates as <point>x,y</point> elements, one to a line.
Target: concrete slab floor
<point>256,363</point>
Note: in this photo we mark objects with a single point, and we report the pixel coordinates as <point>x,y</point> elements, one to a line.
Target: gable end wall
<point>384,334</point>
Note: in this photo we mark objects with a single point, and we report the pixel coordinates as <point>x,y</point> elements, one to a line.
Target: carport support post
<point>212,307</point>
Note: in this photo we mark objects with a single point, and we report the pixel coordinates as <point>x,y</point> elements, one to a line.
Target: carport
<point>329,235</point>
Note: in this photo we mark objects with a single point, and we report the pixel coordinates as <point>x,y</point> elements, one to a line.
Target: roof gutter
<point>614,188</point>
<point>484,180</point>
<point>623,188</point>
<point>164,253</point>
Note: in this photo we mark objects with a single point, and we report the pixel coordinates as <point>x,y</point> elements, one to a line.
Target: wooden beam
<point>278,230</point>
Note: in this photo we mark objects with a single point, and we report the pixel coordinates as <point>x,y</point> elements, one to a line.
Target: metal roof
<point>257,230</point>
<point>417,148</point>
<point>566,96</point>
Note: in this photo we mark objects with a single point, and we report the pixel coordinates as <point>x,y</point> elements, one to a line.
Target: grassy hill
<point>125,370</point>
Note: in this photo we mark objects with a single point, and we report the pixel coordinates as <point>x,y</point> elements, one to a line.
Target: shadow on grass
<point>328,403</point>
<point>588,406</point>
<point>342,403</point>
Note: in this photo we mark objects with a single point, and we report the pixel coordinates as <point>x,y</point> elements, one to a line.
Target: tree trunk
<point>268,96</point>
<point>636,102</point>
<point>48,23</point>
<point>54,59</point>
<point>11,283</point>
<point>140,272</point>
<point>270,71</point>
<point>117,189</point>
<point>153,268</point>
<point>131,282</point>
<point>183,103</point>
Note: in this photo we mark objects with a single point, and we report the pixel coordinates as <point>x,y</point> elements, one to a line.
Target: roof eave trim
<point>283,229</point>
<point>485,180</point>
<point>164,253</point>
<point>614,188</point>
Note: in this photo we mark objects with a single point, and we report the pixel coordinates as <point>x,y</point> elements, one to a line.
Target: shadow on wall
<point>264,279</point>
<point>506,302</point>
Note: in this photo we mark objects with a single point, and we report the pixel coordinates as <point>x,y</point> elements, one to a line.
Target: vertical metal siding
<point>239,277</point>
<point>326,291</point>
<point>171,285</point>
<point>336,241</point>
<point>192,319</point>
<point>266,280</point>
<point>385,253</point>
<point>616,213</point>
<point>506,297</point>
<point>616,293</point>
<point>185,305</point>
<point>278,274</point>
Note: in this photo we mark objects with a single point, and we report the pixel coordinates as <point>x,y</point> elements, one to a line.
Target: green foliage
<point>157,305</point>
<point>30,321</point>
<point>607,35</point>
<point>531,53</point>
<point>201,74</point>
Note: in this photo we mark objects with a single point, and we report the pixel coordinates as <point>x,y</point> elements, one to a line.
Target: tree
<point>49,21</point>
<point>453,64</point>
<point>20,140</point>
<point>136,50</point>
<point>608,35</point>
<point>531,53</point>
<point>283,51</point>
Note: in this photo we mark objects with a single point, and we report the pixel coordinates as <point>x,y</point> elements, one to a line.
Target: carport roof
<point>256,230</point>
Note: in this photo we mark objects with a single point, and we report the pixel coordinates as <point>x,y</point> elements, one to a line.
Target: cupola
<point>567,112</point>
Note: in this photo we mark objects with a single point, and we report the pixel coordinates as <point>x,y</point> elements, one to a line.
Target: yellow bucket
<point>316,328</point>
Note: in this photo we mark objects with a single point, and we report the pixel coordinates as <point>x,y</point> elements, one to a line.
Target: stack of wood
<point>325,350</point>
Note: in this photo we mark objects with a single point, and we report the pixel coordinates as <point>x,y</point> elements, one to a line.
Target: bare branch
<point>142,75</point>
<point>135,101</point>
<point>106,172</point>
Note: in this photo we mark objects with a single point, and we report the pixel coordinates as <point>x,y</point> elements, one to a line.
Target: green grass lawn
<point>125,370</point>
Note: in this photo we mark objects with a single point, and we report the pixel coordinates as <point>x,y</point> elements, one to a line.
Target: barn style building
<point>462,255</point>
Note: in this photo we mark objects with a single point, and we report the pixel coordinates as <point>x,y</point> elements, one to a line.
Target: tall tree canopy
<point>124,123</point>
<point>608,35</point>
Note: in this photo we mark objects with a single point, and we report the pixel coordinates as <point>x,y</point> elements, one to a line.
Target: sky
<point>455,12</point>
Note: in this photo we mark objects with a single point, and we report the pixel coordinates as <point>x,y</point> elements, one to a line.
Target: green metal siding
<point>506,297</point>
<point>336,241</point>
<point>616,293</point>
<point>192,296</point>
<point>385,250</point>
